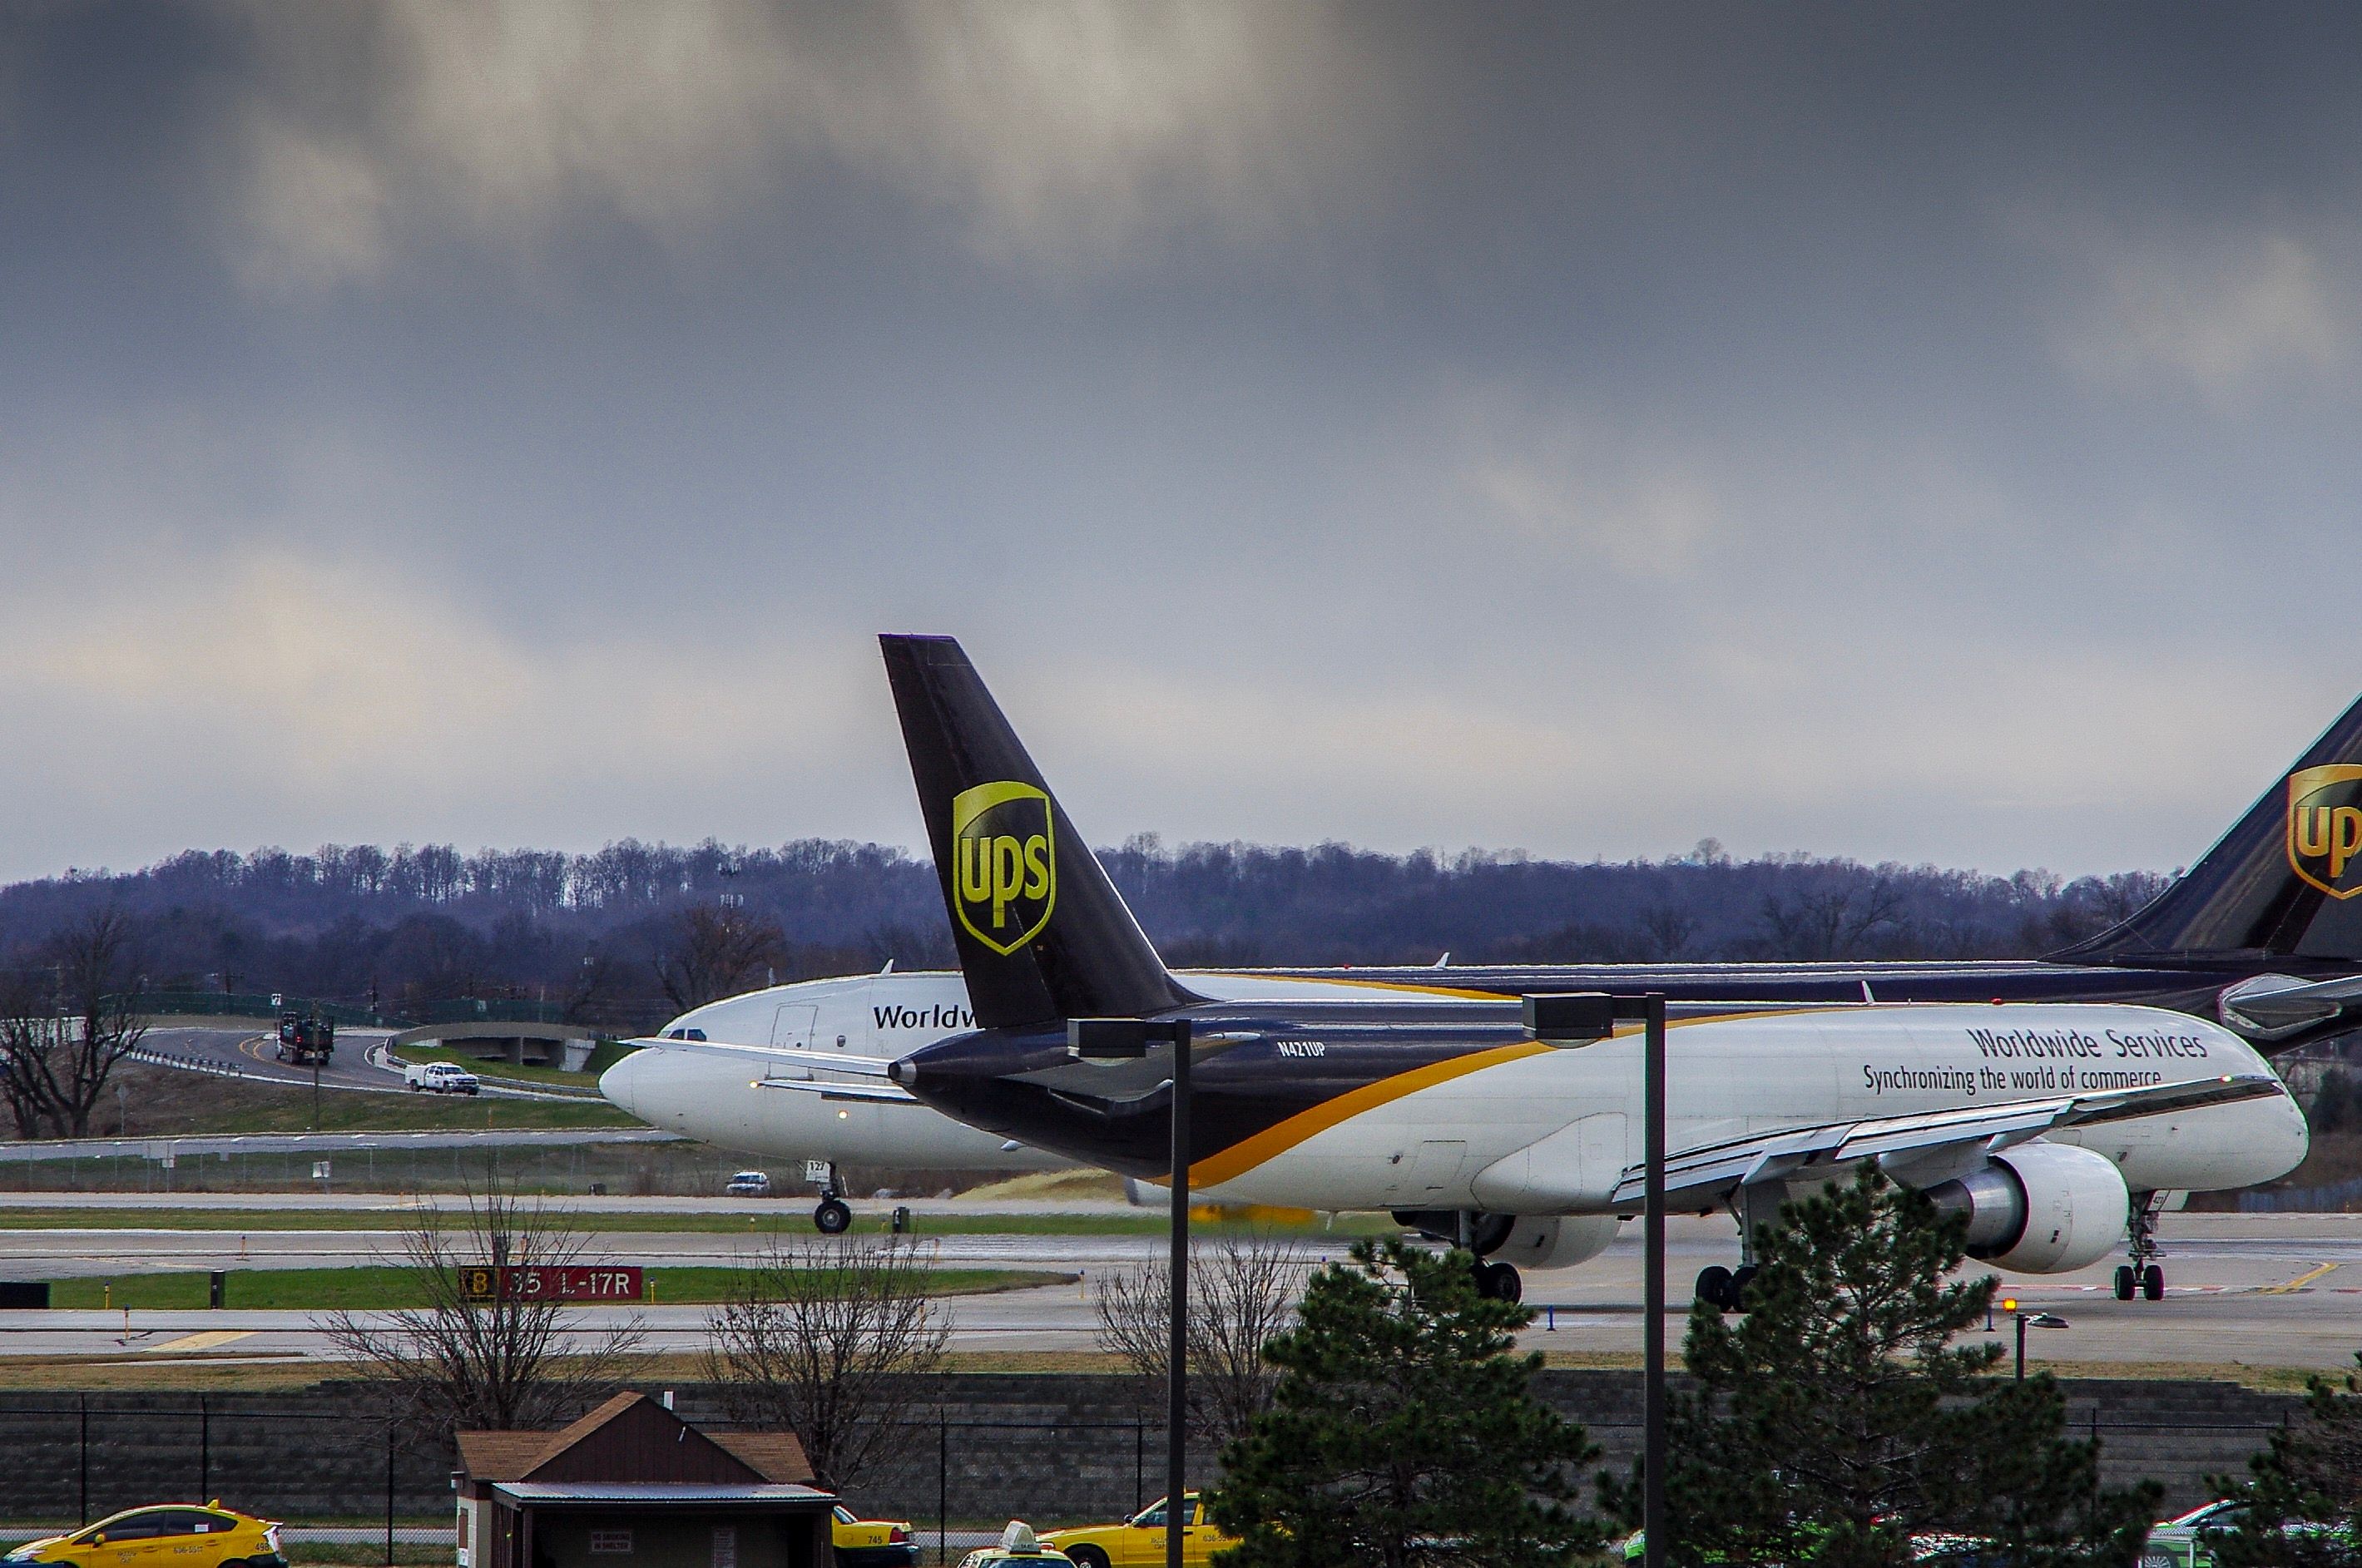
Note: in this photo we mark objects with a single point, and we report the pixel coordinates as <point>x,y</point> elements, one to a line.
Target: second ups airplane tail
<point>1041,932</point>
<point>2284,883</point>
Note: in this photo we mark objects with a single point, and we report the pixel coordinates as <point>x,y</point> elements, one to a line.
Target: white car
<point>750,1183</point>
<point>439,1077</point>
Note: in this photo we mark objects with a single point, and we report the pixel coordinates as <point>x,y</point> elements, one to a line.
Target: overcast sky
<point>1919,433</point>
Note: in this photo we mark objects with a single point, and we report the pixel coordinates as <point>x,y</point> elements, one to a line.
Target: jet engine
<point>2040,1207</point>
<point>1552,1241</point>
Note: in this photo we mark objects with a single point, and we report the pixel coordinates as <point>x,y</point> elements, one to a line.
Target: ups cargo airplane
<point>2154,1103</point>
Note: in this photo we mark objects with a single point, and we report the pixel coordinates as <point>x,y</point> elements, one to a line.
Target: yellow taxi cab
<point>1139,1541</point>
<point>165,1535</point>
<point>1017,1548</point>
<point>871,1544</point>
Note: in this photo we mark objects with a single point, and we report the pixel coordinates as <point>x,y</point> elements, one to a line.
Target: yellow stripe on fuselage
<point>1280,1137</point>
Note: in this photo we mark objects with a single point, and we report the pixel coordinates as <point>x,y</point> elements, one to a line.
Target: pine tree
<point>2303,1493</point>
<point>1836,1419</point>
<point>1404,1430</point>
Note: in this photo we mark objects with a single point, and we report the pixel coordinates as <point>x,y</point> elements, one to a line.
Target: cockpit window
<point>684,1034</point>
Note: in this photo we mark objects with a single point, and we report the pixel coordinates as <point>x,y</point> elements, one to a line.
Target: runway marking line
<point>2300,1282</point>
<point>208,1340</point>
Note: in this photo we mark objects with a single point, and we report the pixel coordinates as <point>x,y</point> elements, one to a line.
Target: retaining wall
<point>1047,1448</point>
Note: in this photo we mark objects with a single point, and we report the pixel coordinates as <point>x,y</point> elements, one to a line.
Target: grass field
<point>791,1217</point>
<point>349,1112</point>
<point>164,1101</point>
<point>321,1289</point>
<point>506,1072</point>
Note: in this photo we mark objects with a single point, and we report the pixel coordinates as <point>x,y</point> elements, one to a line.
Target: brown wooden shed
<point>633,1486</point>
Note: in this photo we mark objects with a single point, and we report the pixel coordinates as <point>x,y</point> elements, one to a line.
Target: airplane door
<point>791,1028</point>
<point>1427,1173</point>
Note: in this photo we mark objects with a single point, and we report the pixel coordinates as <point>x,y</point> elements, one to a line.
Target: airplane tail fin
<point>2286,881</point>
<point>1041,932</point>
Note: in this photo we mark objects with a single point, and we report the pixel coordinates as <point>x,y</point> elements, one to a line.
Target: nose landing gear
<point>2143,1274</point>
<point>832,1218</point>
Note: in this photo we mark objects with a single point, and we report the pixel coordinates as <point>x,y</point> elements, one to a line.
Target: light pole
<point>2029,1320</point>
<point>1125,1040</point>
<point>1579,1018</point>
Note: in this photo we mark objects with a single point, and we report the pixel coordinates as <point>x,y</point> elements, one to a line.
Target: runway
<point>2256,1290</point>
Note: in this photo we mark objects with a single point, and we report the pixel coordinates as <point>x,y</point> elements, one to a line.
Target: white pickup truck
<point>439,1077</point>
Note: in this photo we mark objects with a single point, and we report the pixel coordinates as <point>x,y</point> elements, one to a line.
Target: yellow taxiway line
<point>2300,1282</point>
<point>208,1340</point>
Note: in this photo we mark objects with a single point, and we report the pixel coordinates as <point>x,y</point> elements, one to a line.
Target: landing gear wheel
<point>832,1218</point>
<point>1715,1289</point>
<point>1740,1281</point>
<point>2141,1228</point>
<point>1499,1282</point>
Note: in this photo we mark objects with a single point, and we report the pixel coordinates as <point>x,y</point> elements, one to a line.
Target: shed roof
<point>546,1493</point>
<point>630,1439</point>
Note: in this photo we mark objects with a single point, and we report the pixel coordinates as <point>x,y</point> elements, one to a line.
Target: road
<point>2263,1290</point>
<point>248,1053</point>
<point>361,1063</point>
<point>225,1143</point>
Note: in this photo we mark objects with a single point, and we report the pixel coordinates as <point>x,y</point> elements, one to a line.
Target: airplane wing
<point>1711,1171</point>
<point>779,1056</point>
<point>880,1094</point>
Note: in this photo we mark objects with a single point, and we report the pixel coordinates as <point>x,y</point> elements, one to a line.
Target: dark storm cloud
<point>1913,432</point>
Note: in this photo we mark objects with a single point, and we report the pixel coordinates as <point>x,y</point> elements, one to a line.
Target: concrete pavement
<point>2264,1291</point>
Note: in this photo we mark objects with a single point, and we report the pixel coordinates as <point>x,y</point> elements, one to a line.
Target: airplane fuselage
<point>1452,1106</point>
<point>740,1102</point>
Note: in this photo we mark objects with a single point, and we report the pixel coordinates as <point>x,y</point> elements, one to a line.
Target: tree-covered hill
<point>593,931</point>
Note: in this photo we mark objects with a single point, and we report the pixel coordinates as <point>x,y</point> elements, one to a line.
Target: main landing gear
<point>2143,1274</point>
<point>1477,1234</point>
<point>1499,1282</point>
<point>833,1218</point>
<point>1722,1288</point>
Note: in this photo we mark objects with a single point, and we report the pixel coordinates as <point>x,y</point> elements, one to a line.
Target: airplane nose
<point>621,1082</point>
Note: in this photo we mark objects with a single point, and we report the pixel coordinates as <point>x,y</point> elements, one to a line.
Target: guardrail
<point>185,1064</point>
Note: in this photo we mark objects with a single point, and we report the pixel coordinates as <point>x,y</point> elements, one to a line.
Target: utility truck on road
<point>440,1078</point>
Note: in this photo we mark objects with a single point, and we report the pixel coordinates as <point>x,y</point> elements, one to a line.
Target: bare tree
<point>1241,1292</point>
<point>828,1340</point>
<point>1667,932</point>
<point>58,1049</point>
<point>1833,919</point>
<point>484,1352</point>
<point>717,952</point>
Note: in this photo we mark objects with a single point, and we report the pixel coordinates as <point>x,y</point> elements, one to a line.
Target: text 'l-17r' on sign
<point>537,1282</point>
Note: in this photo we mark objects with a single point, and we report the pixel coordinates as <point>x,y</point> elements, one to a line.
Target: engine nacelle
<point>2041,1208</point>
<point>1539,1241</point>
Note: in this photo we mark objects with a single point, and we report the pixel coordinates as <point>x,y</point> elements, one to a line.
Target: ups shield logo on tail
<point>1005,875</point>
<point>2325,828</point>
